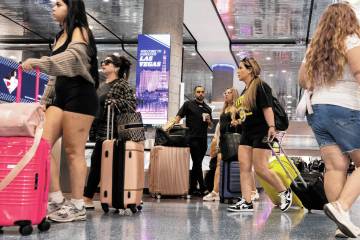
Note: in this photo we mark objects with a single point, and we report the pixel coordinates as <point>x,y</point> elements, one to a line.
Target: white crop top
<point>346,91</point>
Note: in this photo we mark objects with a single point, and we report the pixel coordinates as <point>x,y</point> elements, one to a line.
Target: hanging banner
<point>152,77</point>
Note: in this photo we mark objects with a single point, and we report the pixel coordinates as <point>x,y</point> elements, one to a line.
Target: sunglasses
<point>246,62</point>
<point>106,62</point>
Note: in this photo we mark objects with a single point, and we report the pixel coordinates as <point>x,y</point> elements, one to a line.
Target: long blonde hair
<point>227,105</point>
<point>326,58</point>
<point>249,100</point>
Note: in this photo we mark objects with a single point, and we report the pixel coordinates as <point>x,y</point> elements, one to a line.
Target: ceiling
<point>272,31</point>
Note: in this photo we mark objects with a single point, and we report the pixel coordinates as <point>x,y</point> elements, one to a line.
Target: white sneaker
<point>53,206</point>
<point>241,206</point>
<point>255,195</point>
<point>285,200</point>
<point>341,218</point>
<point>213,196</point>
<point>68,213</point>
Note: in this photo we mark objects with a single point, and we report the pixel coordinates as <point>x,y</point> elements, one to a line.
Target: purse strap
<point>24,160</point>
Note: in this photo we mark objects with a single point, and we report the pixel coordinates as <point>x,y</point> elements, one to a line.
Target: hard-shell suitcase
<point>308,187</point>
<point>122,174</point>
<point>169,171</point>
<point>230,187</point>
<point>24,180</point>
<point>277,168</point>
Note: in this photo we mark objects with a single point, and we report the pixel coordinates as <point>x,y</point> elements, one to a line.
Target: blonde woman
<point>331,71</point>
<point>257,120</point>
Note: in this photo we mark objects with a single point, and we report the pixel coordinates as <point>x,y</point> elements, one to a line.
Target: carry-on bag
<point>122,172</point>
<point>230,187</point>
<point>169,171</point>
<point>174,137</point>
<point>24,166</point>
<point>308,187</point>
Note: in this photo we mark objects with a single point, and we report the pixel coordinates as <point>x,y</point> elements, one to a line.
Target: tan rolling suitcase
<point>169,171</point>
<point>122,174</point>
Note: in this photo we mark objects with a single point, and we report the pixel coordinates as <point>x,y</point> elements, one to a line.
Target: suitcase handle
<point>23,161</point>
<point>110,114</point>
<point>270,144</point>
<point>19,87</point>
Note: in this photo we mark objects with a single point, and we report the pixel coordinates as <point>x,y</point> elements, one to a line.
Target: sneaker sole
<point>78,218</point>
<point>343,228</point>
<point>242,210</point>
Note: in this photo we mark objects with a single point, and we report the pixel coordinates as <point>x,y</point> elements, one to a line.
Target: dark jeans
<point>95,171</point>
<point>198,147</point>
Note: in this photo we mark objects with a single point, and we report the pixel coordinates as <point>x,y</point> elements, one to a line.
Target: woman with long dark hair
<point>74,63</point>
<point>257,119</point>
<point>331,70</point>
<point>117,91</point>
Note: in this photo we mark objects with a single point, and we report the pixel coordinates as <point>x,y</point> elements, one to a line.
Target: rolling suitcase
<point>122,173</point>
<point>277,168</point>
<point>24,177</point>
<point>169,171</point>
<point>230,187</point>
<point>309,187</point>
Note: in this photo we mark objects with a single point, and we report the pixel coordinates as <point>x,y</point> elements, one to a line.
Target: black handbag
<point>281,118</point>
<point>130,126</point>
<point>176,137</point>
<point>229,145</point>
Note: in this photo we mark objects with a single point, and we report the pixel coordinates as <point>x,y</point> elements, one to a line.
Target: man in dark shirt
<point>198,120</point>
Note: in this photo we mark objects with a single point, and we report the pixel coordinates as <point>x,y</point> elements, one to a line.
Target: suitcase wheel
<point>1,231</point>
<point>105,207</point>
<point>44,225</point>
<point>133,209</point>
<point>26,230</point>
<point>139,208</point>
<point>158,196</point>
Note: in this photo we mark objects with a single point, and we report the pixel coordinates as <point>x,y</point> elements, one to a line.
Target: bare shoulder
<point>80,35</point>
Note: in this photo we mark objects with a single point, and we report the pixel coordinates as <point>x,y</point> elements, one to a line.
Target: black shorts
<point>254,140</point>
<point>76,95</point>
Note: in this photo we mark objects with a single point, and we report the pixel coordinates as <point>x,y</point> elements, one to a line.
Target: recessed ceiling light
<point>116,54</point>
<point>289,96</point>
<point>289,107</point>
<point>91,27</point>
<point>105,0</point>
<point>283,71</point>
<point>230,27</point>
<point>289,101</point>
<point>271,75</point>
<point>268,58</point>
<point>193,54</point>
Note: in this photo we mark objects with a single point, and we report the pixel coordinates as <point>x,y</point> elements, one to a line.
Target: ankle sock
<point>78,203</point>
<point>56,197</point>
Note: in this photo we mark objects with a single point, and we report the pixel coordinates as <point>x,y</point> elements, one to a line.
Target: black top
<point>225,124</point>
<point>193,111</point>
<point>253,120</point>
<point>102,93</point>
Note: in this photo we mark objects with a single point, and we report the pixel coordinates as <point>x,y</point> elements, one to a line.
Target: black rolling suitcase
<point>309,187</point>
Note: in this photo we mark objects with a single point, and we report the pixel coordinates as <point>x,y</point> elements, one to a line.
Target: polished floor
<point>193,219</point>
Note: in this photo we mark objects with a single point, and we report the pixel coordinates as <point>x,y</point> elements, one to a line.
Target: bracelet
<point>270,126</point>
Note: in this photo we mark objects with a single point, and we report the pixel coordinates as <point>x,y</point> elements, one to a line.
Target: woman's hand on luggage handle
<point>26,66</point>
<point>271,133</point>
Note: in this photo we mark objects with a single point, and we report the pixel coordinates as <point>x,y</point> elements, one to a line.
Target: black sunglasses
<point>246,62</point>
<point>106,62</point>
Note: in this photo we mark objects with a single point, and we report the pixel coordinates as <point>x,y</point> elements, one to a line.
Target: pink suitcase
<point>24,179</point>
<point>122,174</point>
<point>169,171</point>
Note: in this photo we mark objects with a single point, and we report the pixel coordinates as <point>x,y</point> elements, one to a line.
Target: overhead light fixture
<point>105,0</point>
<point>230,27</point>
<point>283,71</point>
<point>268,58</point>
<point>289,101</point>
<point>289,96</point>
<point>193,54</point>
<point>91,27</point>
<point>116,54</point>
<point>289,107</point>
<point>271,75</point>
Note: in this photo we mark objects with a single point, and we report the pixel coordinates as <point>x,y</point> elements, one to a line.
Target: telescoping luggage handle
<point>110,114</point>
<point>287,158</point>
<point>37,138</point>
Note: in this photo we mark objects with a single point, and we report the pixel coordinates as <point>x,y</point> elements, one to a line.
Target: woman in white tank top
<point>331,70</point>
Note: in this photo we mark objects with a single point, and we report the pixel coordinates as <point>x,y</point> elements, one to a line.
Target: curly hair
<point>249,101</point>
<point>325,59</point>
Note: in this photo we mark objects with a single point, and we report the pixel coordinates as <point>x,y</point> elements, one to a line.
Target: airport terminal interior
<point>207,41</point>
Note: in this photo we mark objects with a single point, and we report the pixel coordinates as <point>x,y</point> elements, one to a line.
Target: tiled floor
<point>193,219</point>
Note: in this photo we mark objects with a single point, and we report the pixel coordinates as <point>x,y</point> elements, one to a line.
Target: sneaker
<point>53,206</point>
<point>255,195</point>
<point>340,234</point>
<point>213,196</point>
<point>341,218</point>
<point>285,200</point>
<point>241,206</point>
<point>68,213</point>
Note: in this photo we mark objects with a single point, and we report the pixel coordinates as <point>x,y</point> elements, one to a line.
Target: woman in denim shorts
<point>331,70</point>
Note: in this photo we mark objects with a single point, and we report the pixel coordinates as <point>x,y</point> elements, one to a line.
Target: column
<point>166,17</point>
<point>223,75</point>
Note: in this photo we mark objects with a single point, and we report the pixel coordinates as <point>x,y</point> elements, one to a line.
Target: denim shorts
<point>335,125</point>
